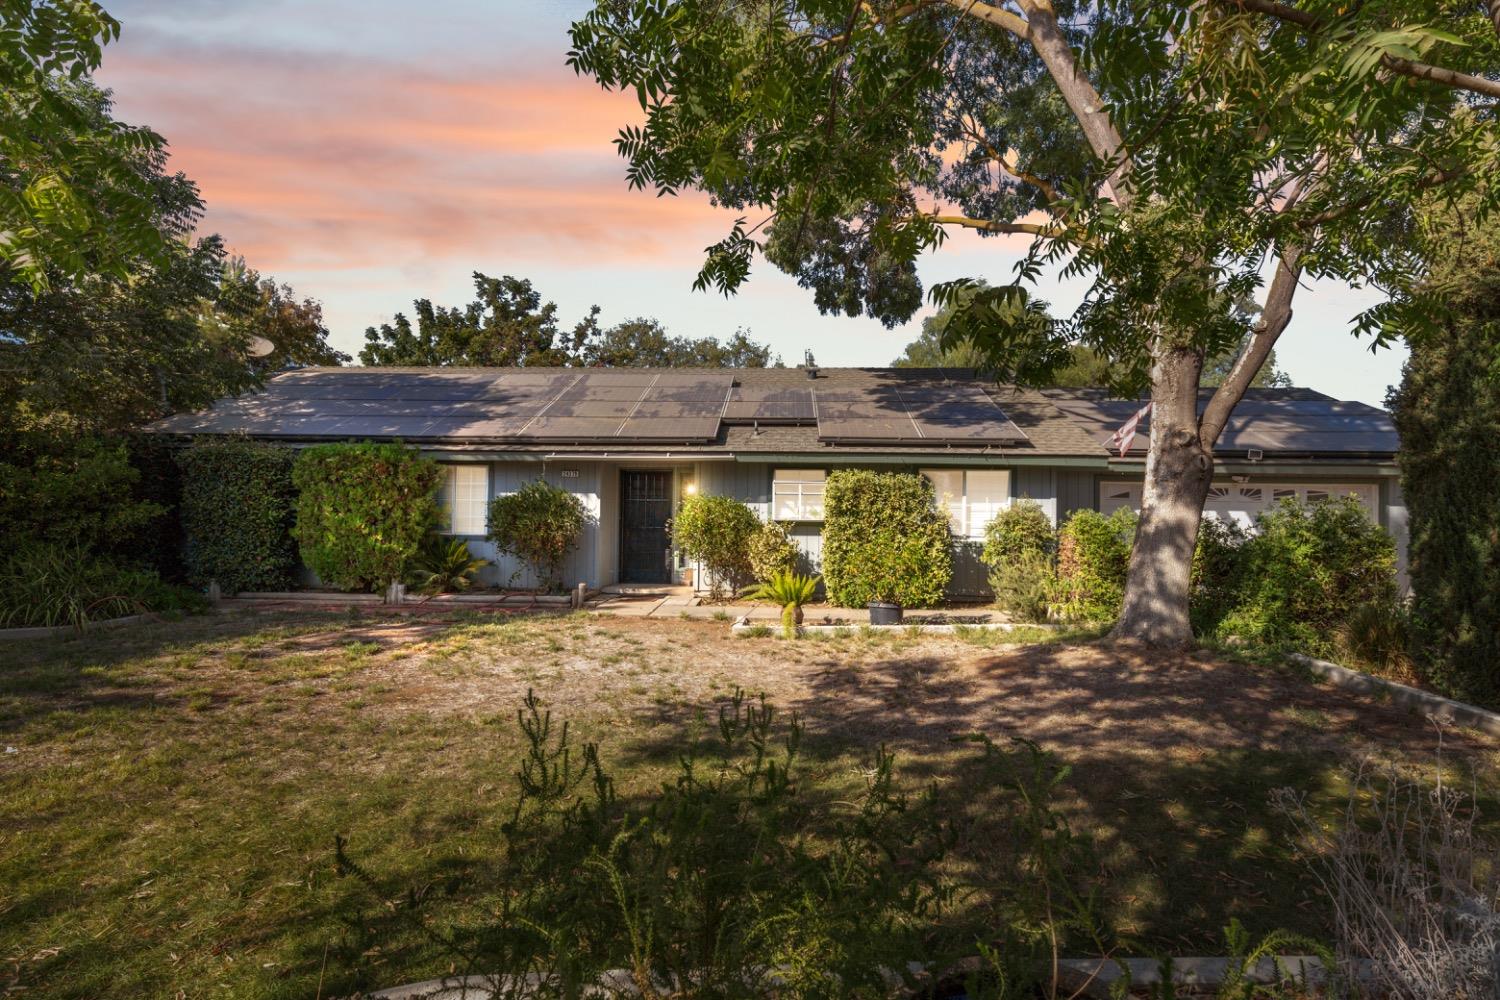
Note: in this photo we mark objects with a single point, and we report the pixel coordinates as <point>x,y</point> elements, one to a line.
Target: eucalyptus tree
<point>1185,156</point>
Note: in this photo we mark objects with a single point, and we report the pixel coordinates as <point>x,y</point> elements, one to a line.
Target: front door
<point>645,508</point>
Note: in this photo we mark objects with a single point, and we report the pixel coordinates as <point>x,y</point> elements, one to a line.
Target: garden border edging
<point>1434,706</point>
<point>856,628</point>
<point>54,631</point>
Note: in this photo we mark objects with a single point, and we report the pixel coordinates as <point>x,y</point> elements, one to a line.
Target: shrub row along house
<point>633,443</point>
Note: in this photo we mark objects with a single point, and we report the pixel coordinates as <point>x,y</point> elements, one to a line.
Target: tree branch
<point>1274,318</point>
<point>1040,183</point>
<point>991,14</point>
<point>990,226</point>
<point>1404,67</point>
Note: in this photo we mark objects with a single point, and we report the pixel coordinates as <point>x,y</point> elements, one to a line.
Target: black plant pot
<point>885,613</point>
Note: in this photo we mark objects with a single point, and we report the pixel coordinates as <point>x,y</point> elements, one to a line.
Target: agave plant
<point>445,565</point>
<point>790,591</point>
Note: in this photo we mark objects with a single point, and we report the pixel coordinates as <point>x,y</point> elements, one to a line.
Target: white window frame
<point>797,494</point>
<point>968,517</point>
<point>1237,498</point>
<point>464,499</point>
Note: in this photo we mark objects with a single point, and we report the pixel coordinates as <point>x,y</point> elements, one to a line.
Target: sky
<point>371,152</point>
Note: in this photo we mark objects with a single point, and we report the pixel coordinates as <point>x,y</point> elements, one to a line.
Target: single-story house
<point>632,443</point>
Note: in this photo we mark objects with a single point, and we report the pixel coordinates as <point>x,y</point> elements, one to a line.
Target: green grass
<point>170,808</point>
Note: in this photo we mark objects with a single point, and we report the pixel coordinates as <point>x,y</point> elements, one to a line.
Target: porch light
<point>690,489</point>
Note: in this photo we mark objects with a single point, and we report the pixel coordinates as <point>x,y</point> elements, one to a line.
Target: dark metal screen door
<point>645,508</point>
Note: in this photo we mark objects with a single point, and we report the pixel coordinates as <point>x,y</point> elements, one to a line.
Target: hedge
<point>363,510</point>
<point>884,539</point>
<point>237,509</point>
<point>1093,559</point>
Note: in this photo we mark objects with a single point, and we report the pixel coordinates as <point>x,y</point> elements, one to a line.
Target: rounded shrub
<point>237,512</point>
<point>363,510</point>
<point>884,539</point>
<point>717,532</point>
<point>772,552</point>
<point>1021,527</point>
<point>1093,558</point>
<point>539,524</point>
<point>1307,571</point>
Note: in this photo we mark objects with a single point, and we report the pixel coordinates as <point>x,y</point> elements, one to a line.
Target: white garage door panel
<point>1243,503</point>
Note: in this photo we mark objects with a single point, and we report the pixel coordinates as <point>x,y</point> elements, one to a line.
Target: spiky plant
<point>446,565</point>
<point>790,591</point>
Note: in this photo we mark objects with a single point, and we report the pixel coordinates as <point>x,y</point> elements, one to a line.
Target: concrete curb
<point>905,627</point>
<point>54,631</point>
<point>1090,977</point>
<point>1434,706</point>
<point>351,597</point>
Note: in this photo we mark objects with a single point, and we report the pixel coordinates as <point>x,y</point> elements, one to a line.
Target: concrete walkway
<point>682,602</point>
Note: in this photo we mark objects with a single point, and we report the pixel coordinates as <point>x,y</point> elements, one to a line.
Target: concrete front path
<point>683,602</point>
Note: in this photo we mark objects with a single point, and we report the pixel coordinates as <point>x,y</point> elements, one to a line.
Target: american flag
<point>1122,439</point>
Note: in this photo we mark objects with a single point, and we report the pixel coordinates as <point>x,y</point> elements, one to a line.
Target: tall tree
<point>1177,154</point>
<point>79,191</point>
<point>1447,410</point>
<point>645,343</point>
<point>248,307</point>
<point>506,325</point>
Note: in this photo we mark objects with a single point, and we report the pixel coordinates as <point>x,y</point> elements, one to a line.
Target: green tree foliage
<point>538,524</point>
<point>645,343</point>
<point>1093,555</point>
<point>79,189</point>
<point>507,324</point>
<point>1306,570</point>
<point>717,532</point>
<point>247,306</point>
<point>362,511</point>
<point>884,539</point>
<point>1182,157</point>
<point>772,551</point>
<point>237,514</point>
<point>84,492</point>
<point>1447,409</point>
<point>1218,573</point>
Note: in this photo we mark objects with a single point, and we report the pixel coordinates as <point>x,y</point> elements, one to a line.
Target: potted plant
<point>884,571</point>
<point>790,591</point>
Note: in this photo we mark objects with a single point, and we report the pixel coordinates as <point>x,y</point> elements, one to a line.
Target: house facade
<point>632,444</point>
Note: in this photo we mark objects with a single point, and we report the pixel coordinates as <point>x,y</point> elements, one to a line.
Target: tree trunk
<point>1178,473</point>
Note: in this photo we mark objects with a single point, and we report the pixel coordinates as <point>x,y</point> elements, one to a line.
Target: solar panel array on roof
<point>530,406</point>
<point>1296,423</point>
<point>910,411</point>
<point>770,405</point>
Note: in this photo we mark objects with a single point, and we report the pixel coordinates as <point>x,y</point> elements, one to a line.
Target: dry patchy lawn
<point>169,793</point>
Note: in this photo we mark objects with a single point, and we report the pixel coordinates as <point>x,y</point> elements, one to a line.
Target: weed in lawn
<point>722,616</point>
<point>754,632</point>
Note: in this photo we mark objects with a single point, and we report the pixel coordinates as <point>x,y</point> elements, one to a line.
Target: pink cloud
<point>348,163</point>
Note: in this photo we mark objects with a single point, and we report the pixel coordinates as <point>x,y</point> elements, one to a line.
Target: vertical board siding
<point>583,563</point>
<point>1039,484</point>
<point>748,482</point>
<point>1076,490</point>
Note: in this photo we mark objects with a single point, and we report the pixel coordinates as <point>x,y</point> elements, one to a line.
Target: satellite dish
<point>259,347</point>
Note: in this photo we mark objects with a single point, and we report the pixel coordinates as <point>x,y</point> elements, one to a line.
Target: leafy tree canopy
<point>250,307</point>
<point>80,193</point>
<point>645,343</point>
<point>509,325</point>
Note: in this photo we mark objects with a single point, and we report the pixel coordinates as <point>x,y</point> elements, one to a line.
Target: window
<point>463,499</point>
<point>797,494</point>
<point>1242,504</point>
<point>972,497</point>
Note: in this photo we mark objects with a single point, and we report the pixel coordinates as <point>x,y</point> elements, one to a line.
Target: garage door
<point>1242,503</point>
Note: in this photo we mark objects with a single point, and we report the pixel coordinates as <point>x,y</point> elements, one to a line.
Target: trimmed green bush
<point>237,513</point>
<point>1307,570</point>
<point>1021,527</point>
<point>716,531</point>
<point>772,552</point>
<point>884,539</point>
<point>538,524</point>
<point>363,510</point>
<point>1218,573</point>
<point>1093,557</point>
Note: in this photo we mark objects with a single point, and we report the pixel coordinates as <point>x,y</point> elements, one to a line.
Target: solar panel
<point>956,412</point>
<point>770,405</point>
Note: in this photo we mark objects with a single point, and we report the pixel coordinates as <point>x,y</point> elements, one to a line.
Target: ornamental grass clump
<point>539,524</point>
<point>445,566</point>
